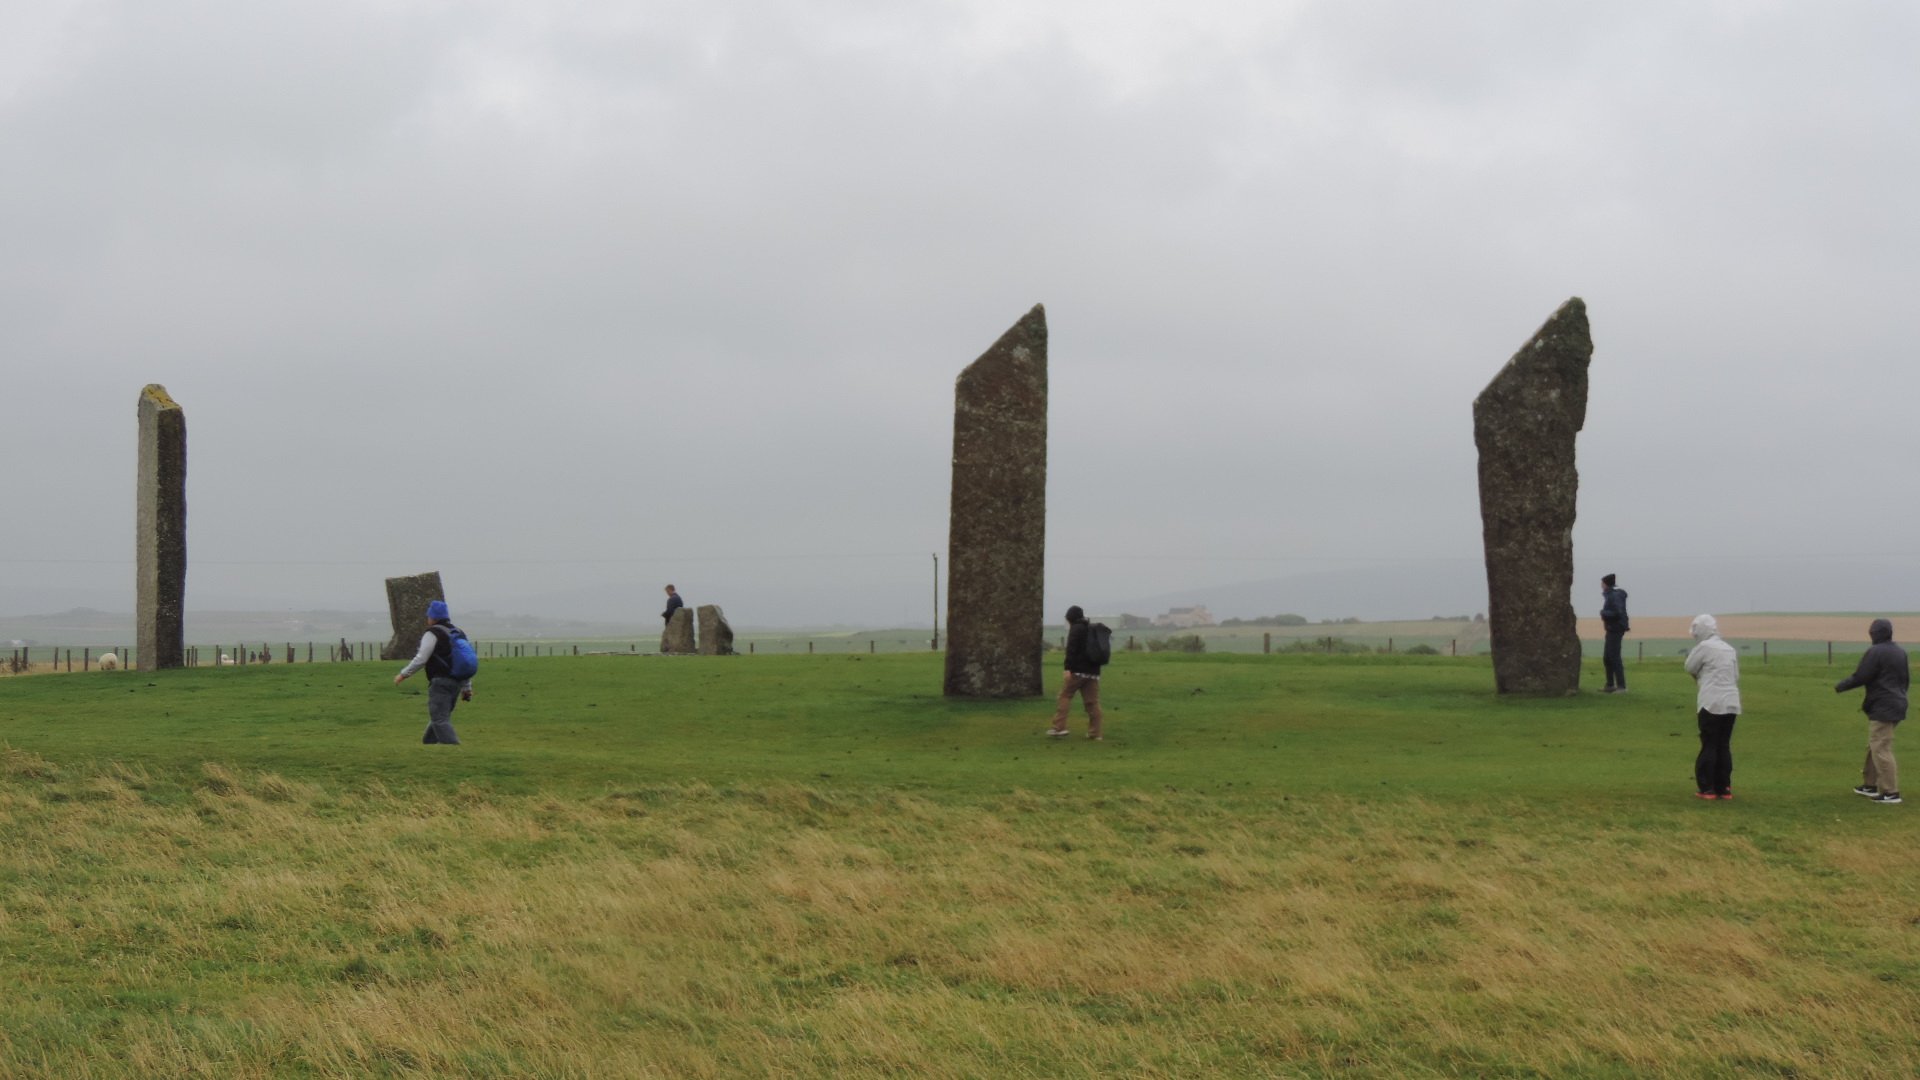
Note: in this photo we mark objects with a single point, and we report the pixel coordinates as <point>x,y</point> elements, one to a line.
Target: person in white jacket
<point>1715,666</point>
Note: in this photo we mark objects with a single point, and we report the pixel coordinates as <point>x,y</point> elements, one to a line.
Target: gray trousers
<point>442,695</point>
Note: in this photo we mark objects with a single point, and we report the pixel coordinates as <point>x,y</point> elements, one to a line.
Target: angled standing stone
<point>678,637</point>
<point>1524,424</point>
<point>407,600</point>
<point>997,525</point>
<point>160,533</point>
<point>716,636</point>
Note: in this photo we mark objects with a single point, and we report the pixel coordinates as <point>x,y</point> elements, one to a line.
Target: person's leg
<point>442,694</point>
<point>1869,774</point>
<point>1723,775</point>
<point>1703,765</point>
<point>1880,751</point>
<point>1610,659</point>
<point>1063,703</point>
<point>1090,698</point>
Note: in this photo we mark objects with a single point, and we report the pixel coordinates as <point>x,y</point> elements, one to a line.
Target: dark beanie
<point>1607,581</point>
<point>1074,614</point>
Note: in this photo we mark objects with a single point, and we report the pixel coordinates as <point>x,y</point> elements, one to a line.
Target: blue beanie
<point>437,610</point>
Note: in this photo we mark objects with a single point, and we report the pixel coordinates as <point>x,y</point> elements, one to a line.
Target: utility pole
<point>936,601</point>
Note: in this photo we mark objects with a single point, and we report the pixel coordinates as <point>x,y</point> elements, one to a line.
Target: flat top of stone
<point>157,394</point>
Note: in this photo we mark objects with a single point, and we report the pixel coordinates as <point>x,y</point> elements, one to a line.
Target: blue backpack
<point>462,661</point>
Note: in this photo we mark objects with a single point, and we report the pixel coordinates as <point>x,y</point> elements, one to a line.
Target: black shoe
<point>1887,797</point>
<point>1869,792</point>
<point>1606,689</point>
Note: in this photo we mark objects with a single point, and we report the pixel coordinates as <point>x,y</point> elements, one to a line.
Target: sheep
<point>225,659</point>
<point>109,662</point>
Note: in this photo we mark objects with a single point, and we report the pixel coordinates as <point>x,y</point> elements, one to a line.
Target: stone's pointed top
<point>1020,354</point>
<point>157,394</point>
<point>1551,366</point>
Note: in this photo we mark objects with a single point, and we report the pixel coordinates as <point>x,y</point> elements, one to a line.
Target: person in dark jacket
<point>674,603</point>
<point>1883,671</point>
<point>1613,616</point>
<point>1083,676</point>
<point>436,655</point>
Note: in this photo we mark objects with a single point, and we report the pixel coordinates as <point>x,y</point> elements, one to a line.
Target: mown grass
<point>1356,867</point>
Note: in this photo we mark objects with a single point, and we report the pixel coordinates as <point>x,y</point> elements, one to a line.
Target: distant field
<point>1300,866</point>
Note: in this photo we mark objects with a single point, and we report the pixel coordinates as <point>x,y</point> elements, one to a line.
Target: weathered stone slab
<point>679,634</point>
<point>160,533</point>
<point>716,635</point>
<point>1524,424</point>
<point>407,600</point>
<point>997,524</point>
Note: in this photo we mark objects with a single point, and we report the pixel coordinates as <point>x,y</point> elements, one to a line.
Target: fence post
<point>1454,647</point>
<point>1266,643</point>
<point>871,650</point>
<point>1389,644</point>
<point>1829,653</point>
<point>749,648</point>
<point>809,648</point>
<point>86,658</point>
<point>1763,652</point>
<point>1642,658</point>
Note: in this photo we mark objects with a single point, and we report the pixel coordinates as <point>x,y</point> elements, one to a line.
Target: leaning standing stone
<point>1524,424</point>
<point>997,526</point>
<point>407,600</point>
<point>160,532</point>
<point>678,637</point>
<point>716,636</point>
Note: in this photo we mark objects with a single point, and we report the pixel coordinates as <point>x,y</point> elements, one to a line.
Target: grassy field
<point>793,866</point>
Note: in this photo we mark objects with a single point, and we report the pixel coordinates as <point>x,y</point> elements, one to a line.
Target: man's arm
<point>428,642</point>
<point>1862,675</point>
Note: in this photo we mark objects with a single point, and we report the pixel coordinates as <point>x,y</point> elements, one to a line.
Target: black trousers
<point>1610,658</point>
<point>1713,769</point>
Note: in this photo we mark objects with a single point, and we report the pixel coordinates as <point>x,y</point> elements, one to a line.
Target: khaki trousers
<point>1880,770</point>
<point>1089,689</point>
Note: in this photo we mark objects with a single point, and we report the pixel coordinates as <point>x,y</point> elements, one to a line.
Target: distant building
<point>1182,618</point>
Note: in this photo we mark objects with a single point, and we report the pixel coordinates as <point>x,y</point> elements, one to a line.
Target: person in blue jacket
<point>1613,616</point>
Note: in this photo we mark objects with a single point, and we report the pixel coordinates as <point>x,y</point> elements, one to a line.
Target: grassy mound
<point>1289,866</point>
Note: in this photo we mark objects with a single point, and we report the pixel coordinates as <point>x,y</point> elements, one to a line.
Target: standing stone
<point>997,525</point>
<point>1524,424</point>
<point>407,600</point>
<point>678,637</point>
<point>160,533</point>
<point>716,636</point>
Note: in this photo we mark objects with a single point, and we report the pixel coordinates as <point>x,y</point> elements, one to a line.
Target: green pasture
<point>817,866</point>
<point>1372,725</point>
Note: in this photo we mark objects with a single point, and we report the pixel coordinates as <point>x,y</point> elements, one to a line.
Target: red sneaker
<point>1705,795</point>
<point>1726,796</point>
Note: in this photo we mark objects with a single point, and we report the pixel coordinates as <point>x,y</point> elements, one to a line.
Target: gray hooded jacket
<point>1883,671</point>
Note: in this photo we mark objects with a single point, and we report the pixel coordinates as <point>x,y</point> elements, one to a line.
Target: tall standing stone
<point>716,635</point>
<point>407,600</point>
<point>1524,424</point>
<point>997,525</point>
<point>678,636</point>
<point>160,533</point>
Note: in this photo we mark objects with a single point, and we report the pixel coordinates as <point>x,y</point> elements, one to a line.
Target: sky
<point>569,300</point>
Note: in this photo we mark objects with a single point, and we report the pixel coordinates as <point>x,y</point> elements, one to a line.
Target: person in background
<point>1883,671</point>
<point>1083,676</point>
<point>674,603</point>
<point>436,655</point>
<point>1716,668</point>
<point>1613,616</point>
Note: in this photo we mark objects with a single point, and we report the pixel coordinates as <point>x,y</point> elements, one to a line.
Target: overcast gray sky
<point>572,299</point>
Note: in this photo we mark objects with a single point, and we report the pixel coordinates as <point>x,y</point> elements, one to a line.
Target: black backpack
<point>1099,643</point>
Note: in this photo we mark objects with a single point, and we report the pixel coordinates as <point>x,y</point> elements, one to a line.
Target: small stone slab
<point>678,638</point>
<point>407,600</point>
<point>1524,424</point>
<point>716,636</point>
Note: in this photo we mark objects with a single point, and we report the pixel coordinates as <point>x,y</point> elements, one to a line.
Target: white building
<point>1181,618</point>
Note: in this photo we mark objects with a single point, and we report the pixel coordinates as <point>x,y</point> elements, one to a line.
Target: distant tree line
<point>1268,620</point>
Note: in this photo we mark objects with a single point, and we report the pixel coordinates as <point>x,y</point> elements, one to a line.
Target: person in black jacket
<point>1083,675</point>
<point>1613,616</point>
<point>1883,671</point>
<point>674,603</point>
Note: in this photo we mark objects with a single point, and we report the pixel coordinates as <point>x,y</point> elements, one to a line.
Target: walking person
<point>1883,671</point>
<point>674,603</point>
<point>1084,661</point>
<point>1613,616</point>
<point>1716,668</point>
<point>450,662</point>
